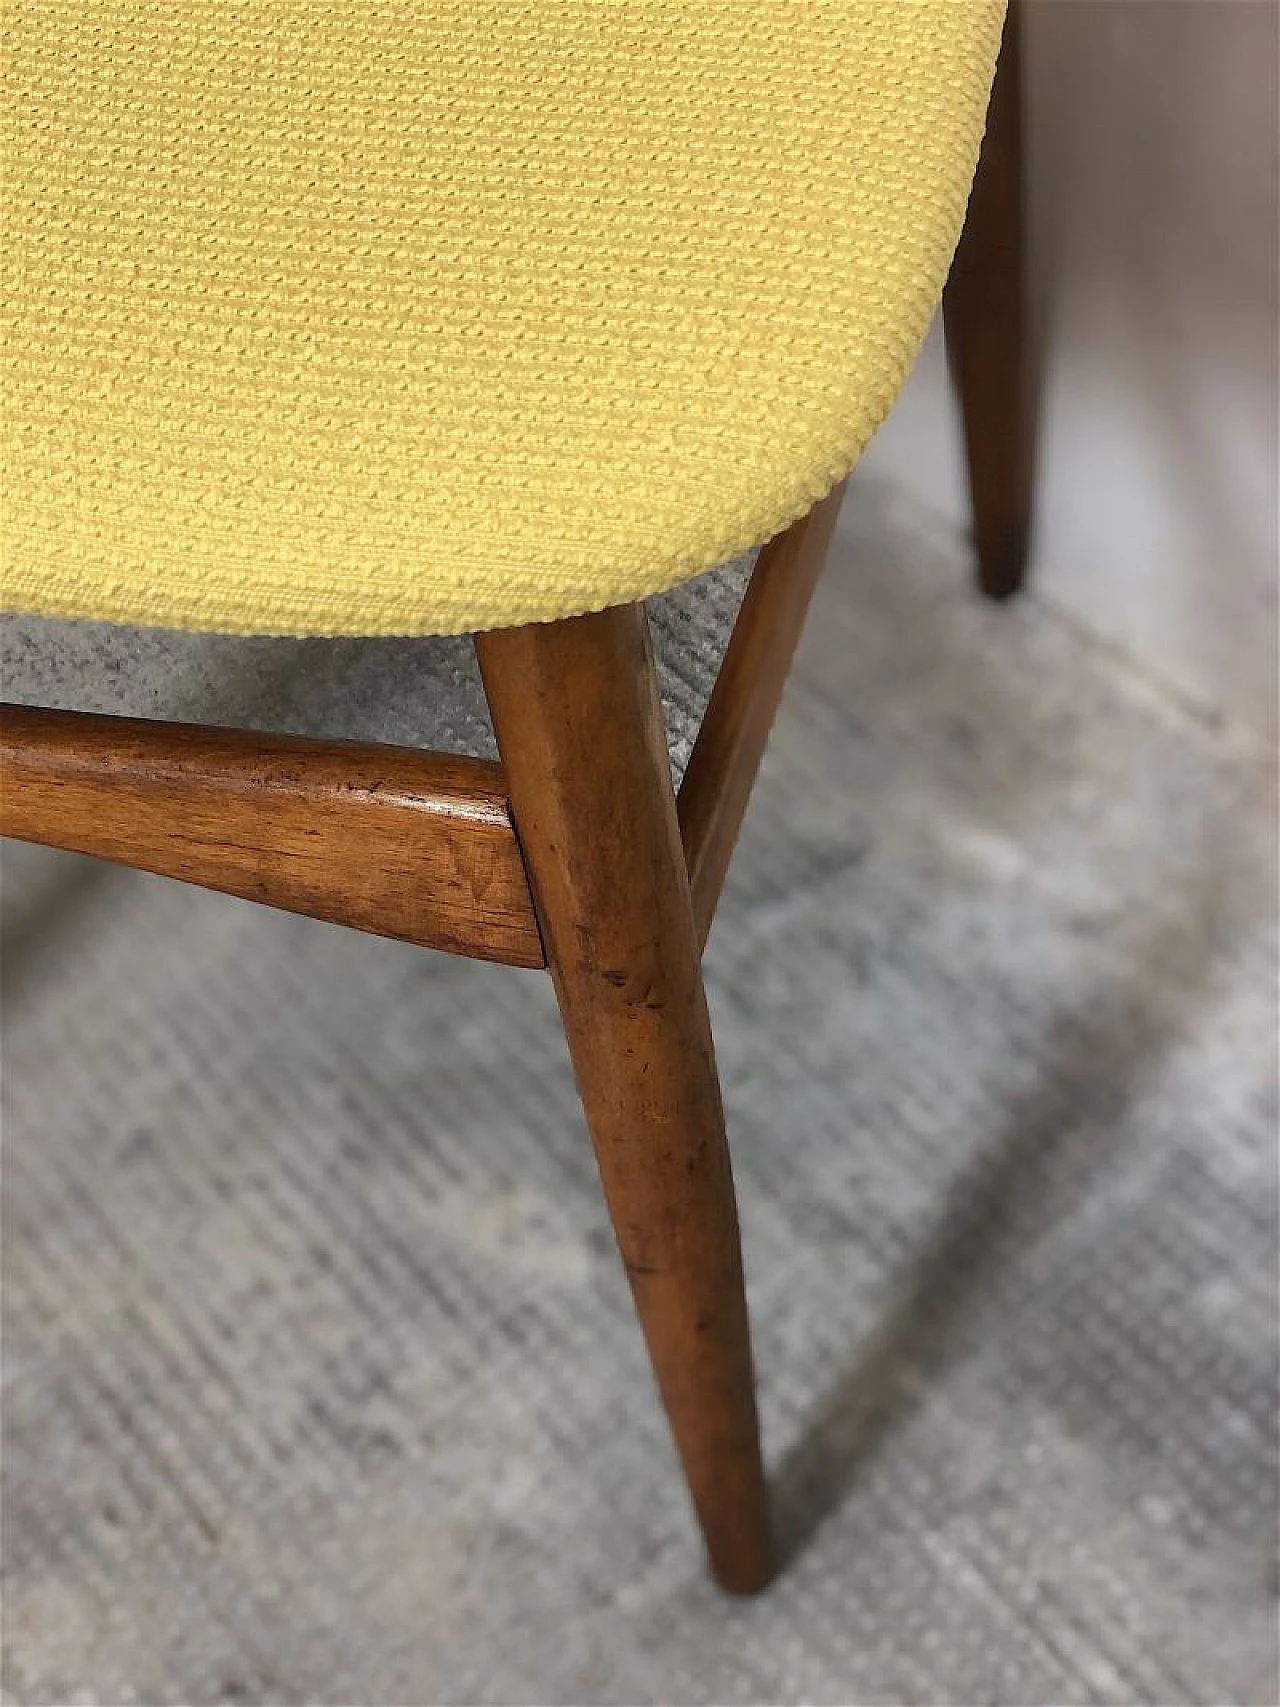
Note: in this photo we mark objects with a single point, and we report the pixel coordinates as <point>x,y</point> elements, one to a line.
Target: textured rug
<point>322,1384</point>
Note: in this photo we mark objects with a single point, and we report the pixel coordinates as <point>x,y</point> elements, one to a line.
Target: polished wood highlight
<point>735,726</point>
<point>389,840</point>
<point>579,725</point>
<point>985,316</point>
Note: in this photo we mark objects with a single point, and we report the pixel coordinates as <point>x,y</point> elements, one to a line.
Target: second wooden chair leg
<point>984,315</point>
<point>579,726</point>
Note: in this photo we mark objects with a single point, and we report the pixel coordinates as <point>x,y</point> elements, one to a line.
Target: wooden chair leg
<point>579,726</point>
<point>984,315</point>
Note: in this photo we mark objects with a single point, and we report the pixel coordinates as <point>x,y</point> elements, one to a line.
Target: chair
<point>469,317</point>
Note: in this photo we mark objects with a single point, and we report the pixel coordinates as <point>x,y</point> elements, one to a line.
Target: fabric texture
<point>323,1382</point>
<point>400,318</point>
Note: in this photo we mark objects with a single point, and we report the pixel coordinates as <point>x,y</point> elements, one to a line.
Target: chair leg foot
<point>1002,566</point>
<point>579,727</point>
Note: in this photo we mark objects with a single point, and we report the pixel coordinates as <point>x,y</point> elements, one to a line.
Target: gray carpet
<point>321,1379</point>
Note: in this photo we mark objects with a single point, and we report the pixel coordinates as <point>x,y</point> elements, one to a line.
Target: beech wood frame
<point>573,853</point>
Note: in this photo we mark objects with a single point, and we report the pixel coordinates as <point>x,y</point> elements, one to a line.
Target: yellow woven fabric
<point>399,316</point>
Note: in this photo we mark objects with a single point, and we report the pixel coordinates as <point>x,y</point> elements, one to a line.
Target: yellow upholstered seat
<point>398,316</point>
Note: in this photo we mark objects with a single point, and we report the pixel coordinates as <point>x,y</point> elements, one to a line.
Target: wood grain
<point>985,315</point>
<point>400,843</point>
<point>579,726</point>
<point>735,727</point>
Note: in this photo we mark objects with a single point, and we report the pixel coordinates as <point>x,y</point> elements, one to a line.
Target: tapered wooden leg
<point>984,314</point>
<point>579,727</point>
